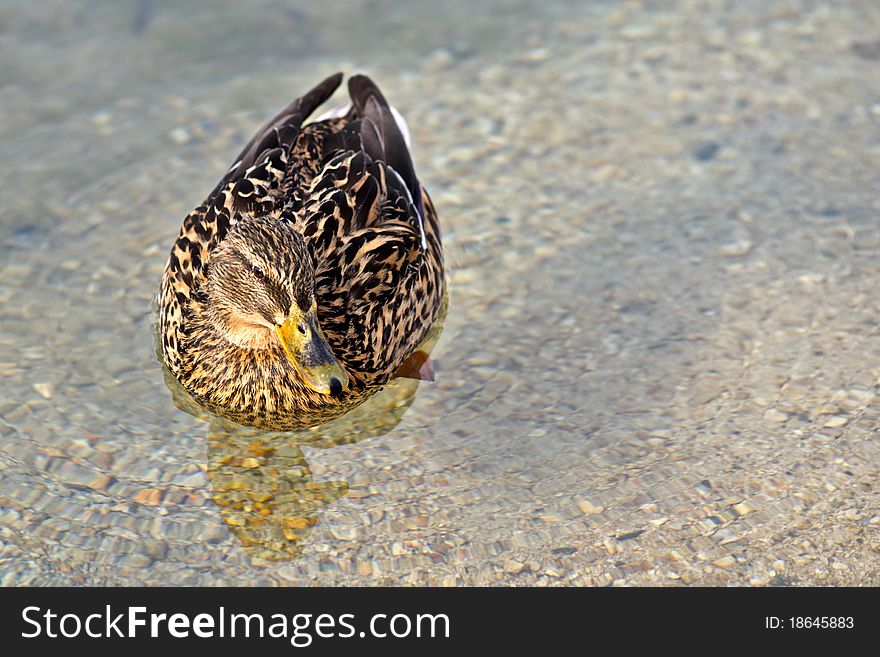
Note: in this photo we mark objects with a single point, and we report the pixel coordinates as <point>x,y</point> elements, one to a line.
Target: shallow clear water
<point>661,356</point>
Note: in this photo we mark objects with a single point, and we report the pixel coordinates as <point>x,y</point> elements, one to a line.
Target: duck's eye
<point>258,272</point>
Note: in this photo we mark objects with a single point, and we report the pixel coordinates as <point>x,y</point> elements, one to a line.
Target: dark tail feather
<point>283,128</point>
<point>381,137</point>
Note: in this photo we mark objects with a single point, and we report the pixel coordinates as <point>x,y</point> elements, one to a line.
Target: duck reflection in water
<point>263,485</point>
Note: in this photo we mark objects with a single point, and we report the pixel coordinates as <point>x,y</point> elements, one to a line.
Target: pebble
<point>440,59</point>
<point>588,508</point>
<point>344,533</point>
<point>737,249</point>
<point>135,560</point>
<point>180,135</point>
<point>101,482</point>
<point>608,172</point>
<point>836,421</point>
<point>707,151</point>
<point>148,497</point>
<point>536,55</point>
<point>156,549</point>
<point>725,562</point>
<point>45,390</point>
<point>513,567</point>
<point>102,118</point>
<point>550,518</point>
<point>775,416</point>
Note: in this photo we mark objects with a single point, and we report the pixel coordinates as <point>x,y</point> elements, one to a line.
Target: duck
<point>312,275</point>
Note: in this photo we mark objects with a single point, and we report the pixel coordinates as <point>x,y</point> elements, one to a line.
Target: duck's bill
<point>307,349</point>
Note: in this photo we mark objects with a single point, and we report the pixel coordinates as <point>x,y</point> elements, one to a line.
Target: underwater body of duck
<point>312,274</point>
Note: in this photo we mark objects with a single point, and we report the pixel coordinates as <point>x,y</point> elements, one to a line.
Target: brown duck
<point>312,274</point>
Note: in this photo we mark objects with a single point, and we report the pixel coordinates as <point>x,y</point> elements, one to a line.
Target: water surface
<point>660,360</point>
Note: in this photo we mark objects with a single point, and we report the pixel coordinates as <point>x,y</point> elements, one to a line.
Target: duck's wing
<point>384,141</point>
<point>365,178</point>
<point>375,239</point>
<point>250,187</point>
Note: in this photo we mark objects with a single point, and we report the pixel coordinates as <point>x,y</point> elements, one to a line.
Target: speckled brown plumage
<point>347,187</point>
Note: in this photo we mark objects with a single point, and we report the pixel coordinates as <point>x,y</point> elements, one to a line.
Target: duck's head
<point>261,293</point>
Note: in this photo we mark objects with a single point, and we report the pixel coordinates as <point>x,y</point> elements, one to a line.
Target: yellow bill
<point>307,349</point>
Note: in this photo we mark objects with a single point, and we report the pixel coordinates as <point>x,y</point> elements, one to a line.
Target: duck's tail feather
<point>381,135</point>
<point>282,129</point>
